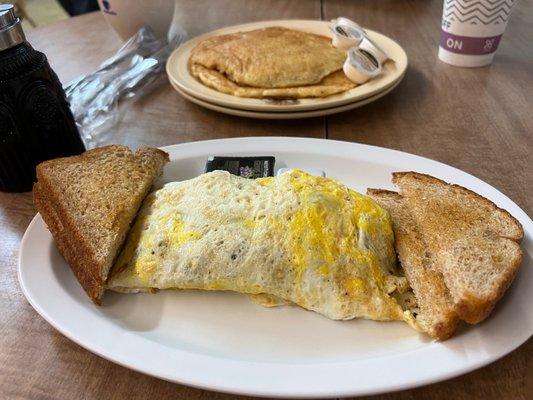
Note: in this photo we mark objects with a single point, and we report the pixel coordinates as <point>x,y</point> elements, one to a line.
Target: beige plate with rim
<point>393,71</point>
<point>282,115</point>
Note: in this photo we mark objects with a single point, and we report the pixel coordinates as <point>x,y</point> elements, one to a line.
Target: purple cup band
<point>474,46</point>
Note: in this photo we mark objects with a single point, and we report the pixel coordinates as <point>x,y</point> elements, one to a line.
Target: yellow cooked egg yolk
<point>318,236</point>
<point>178,235</point>
<point>269,180</point>
<point>249,223</point>
<point>141,239</point>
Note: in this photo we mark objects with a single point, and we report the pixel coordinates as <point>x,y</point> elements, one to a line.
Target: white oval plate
<point>393,71</point>
<point>222,341</point>
<point>282,115</point>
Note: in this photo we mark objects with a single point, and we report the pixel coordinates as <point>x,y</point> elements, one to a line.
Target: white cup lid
<point>346,35</point>
<point>359,67</point>
<point>370,47</point>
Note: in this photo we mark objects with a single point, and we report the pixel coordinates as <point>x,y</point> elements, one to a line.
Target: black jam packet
<point>247,167</point>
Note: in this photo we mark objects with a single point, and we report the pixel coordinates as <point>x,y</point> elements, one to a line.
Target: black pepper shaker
<point>36,123</point>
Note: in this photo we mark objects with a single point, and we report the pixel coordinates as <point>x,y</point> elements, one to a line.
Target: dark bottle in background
<point>36,123</point>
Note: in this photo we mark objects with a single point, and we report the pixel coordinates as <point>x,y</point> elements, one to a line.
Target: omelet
<point>271,62</point>
<point>293,239</point>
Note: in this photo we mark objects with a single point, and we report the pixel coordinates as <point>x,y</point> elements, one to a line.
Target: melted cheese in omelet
<point>300,238</point>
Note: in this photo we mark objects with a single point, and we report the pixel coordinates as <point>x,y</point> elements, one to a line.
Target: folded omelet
<point>272,62</point>
<point>296,238</point>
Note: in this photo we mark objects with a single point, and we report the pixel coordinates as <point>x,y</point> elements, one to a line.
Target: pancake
<point>271,62</point>
<point>296,238</point>
<point>334,83</point>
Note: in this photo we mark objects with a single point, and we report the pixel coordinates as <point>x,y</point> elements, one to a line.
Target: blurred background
<point>42,12</point>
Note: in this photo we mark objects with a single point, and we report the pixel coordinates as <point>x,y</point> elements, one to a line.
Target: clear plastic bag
<point>134,70</point>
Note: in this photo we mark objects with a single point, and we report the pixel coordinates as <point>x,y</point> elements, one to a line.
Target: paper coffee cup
<point>471,30</point>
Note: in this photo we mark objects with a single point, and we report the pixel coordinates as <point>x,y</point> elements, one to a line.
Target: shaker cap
<point>11,32</point>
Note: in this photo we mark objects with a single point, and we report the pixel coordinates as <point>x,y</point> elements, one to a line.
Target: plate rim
<point>252,104</point>
<point>288,114</point>
<point>520,214</point>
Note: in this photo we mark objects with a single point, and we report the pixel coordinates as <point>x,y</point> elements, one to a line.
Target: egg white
<point>297,238</point>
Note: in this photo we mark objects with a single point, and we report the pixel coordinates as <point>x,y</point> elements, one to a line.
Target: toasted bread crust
<point>142,151</point>
<point>471,307</point>
<point>397,176</point>
<point>437,315</point>
<point>70,243</point>
<point>73,245</point>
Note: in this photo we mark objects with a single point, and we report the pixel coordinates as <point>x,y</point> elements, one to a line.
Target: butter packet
<point>247,167</point>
